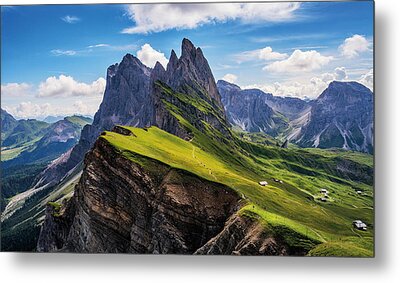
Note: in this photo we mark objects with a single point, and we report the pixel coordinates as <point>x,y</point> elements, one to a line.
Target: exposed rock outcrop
<point>248,109</point>
<point>140,205</point>
<point>244,236</point>
<point>133,97</point>
<point>121,206</point>
<point>191,76</point>
<point>126,101</point>
<point>342,117</point>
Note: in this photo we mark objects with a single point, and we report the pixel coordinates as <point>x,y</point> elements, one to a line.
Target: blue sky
<point>54,58</point>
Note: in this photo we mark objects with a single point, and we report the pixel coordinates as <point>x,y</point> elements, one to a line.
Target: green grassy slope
<point>293,205</point>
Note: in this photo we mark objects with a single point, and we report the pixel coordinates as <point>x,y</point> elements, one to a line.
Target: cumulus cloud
<point>59,52</point>
<point>84,108</point>
<point>230,78</point>
<point>312,89</point>
<point>354,45</point>
<point>66,86</point>
<point>300,61</point>
<point>368,79</point>
<point>306,90</point>
<point>70,19</point>
<point>150,56</point>
<point>265,54</point>
<point>339,74</point>
<point>29,110</point>
<point>155,18</point>
<point>16,89</point>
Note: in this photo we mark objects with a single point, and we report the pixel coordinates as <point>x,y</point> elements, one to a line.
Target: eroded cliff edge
<point>121,206</point>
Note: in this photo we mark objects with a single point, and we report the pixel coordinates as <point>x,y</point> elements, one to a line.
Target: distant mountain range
<point>32,141</point>
<point>341,117</point>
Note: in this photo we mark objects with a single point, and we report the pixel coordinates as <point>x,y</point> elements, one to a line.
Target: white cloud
<point>16,89</point>
<point>300,61</point>
<point>160,17</point>
<point>99,45</point>
<point>309,89</point>
<point>149,56</point>
<point>354,45</point>
<point>59,52</point>
<point>265,54</point>
<point>66,86</point>
<point>339,74</point>
<point>29,110</point>
<point>230,78</point>
<point>84,108</point>
<point>368,79</point>
<point>312,89</point>
<point>70,19</point>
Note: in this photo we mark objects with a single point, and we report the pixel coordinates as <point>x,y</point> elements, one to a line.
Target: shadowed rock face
<point>248,109</point>
<point>132,98</point>
<point>126,101</point>
<point>189,75</point>
<point>342,116</point>
<point>119,206</point>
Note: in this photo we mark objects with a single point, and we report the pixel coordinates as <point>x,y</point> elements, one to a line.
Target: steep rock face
<point>192,70</point>
<point>121,206</point>
<point>249,110</point>
<point>126,101</point>
<point>244,236</point>
<point>56,227</point>
<point>140,205</point>
<point>189,86</point>
<point>290,107</point>
<point>342,116</point>
<point>133,97</point>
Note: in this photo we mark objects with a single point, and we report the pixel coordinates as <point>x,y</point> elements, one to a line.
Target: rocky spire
<point>188,49</point>
<point>192,69</point>
<point>158,73</point>
<point>173,62</point>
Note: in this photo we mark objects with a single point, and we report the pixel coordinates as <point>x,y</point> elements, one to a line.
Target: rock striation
<point>126,101</point>
<point>341,117</point>
<point>248,109</point>
<point>147,207</point>
<point>120,206</point>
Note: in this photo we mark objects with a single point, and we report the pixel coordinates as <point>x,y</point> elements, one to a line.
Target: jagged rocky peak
<point>126,101</point>
<point>221,84</point>
<point>248,109</point>
<point>192,70</point>
<point>173,61</point>
<point>132,61</point>
<point>347,91</point>
<point>342,116</point>
<point>188,49</point>
<point>158,73</point>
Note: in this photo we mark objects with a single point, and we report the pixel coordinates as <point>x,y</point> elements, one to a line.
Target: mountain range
<point>341,117</point>
<point>161,170</point>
